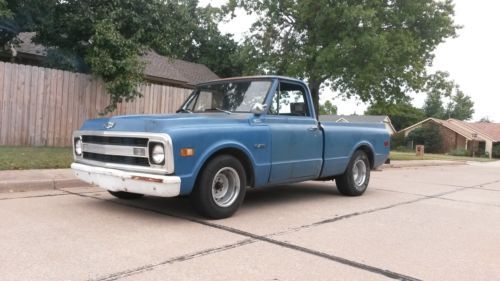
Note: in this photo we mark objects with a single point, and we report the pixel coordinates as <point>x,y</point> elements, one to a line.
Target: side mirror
<point>258,108</point>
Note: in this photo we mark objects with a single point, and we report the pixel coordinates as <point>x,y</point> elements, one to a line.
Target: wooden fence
<point>42,106</point>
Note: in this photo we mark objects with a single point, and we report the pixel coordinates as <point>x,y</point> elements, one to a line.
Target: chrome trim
<point>116,150</point>
<point>167,168</point>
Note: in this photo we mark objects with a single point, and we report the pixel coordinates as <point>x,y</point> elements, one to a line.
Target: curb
<point>38,185</point>
<point>429,164</point>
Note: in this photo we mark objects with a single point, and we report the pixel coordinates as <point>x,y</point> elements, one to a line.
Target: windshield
<point>228,97</point>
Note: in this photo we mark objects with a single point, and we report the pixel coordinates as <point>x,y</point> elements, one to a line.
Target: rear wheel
<point>221,188</point>
<point>355,179</point>
<point>125,195</point>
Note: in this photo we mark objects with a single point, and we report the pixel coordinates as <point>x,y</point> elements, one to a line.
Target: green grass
<point>395,155</point>
<point>22,158</point>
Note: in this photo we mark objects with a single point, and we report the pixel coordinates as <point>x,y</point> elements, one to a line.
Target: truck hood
<point>163,123</point>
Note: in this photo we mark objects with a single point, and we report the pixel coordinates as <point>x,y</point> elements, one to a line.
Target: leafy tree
<point>485,119</point>
<point>459,106</point>
<point>429,136</point>
<point>6,30</point>
<point>433,106</point>
<point>402,114</point>
<point>327,108</point>
<point>376,50</point>
<point>217,51</point>
<point>111,35</point>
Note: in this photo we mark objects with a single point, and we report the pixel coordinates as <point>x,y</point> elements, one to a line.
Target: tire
<point>220,188</point>
<point>357,176</point>
<point>125,195</point>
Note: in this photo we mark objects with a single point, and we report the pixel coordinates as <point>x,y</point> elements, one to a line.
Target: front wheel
<point>355,179</point>
<point>221,188</point>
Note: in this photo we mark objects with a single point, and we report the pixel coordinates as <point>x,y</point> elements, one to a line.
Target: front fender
<point>188,181</point>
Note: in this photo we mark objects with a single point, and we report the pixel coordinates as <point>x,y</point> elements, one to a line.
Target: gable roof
<point>489,130</point>
<point>465,129</point>
<point>158,68</point>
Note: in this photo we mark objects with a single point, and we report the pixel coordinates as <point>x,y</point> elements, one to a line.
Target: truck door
<point>296,140</point>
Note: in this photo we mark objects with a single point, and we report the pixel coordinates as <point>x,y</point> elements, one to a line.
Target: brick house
<point>479,138</point>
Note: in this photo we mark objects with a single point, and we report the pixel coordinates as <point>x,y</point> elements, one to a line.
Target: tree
<point>433,106</point>
<point>402,114</point>
<point>327,108</point>
<point>429,136</point>
<point>107,38</point>
<point>459,105</point>
<point>485,119</point>
<point>217,51</point>
<point>376,50</point>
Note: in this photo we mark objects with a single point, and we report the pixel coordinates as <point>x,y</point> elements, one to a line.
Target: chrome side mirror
<point>258,108</point>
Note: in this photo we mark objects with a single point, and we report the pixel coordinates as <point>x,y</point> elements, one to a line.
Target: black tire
<point>347,184</point>
<point>125,195</point>
<point>226,176</point>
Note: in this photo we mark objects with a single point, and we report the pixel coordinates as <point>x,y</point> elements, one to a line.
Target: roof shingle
<point>158,68</point>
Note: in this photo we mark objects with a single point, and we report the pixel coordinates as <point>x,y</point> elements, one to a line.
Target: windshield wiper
<point>184,110</point>
<point>218,109</point>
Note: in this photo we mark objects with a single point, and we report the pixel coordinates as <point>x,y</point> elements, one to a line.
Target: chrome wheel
<point>225,187</point>
<point>359,172</point>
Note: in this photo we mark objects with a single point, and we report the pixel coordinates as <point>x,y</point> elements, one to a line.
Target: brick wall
<point>451,140</point>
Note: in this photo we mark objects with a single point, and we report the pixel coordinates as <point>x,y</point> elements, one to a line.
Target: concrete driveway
<point>429,223</point>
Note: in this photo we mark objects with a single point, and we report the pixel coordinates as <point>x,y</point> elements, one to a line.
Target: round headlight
<point>158,154</point>
<point>78,147</point>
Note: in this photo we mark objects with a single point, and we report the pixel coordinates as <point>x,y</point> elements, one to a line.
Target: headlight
<point>158,154</point>
<point>78,147</point>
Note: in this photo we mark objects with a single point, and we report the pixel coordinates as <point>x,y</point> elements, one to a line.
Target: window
<point>290,99</point>
<point>238,96</point>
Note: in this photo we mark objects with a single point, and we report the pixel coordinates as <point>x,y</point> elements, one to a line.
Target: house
<point>158,70</point>
<point>479,138</point>
<point>361,119</point>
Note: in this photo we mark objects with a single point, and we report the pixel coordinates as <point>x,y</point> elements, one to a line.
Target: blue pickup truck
<point>228,135</point>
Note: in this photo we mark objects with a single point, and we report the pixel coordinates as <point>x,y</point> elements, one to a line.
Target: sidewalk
<point>29,180</point>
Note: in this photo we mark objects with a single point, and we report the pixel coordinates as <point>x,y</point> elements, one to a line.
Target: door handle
<point>313,129</point>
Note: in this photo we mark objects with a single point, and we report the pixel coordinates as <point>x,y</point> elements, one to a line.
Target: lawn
<point>20,158</point>
<point>395,155</point>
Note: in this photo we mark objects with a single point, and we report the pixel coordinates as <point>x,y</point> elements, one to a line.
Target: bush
<point>404,149</point>
<point>496,150</point>
<point>398,140</point>
<point>429,136</point>
<point>460,152</point>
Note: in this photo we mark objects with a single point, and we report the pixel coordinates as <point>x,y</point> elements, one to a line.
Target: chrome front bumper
<point>117,180</point>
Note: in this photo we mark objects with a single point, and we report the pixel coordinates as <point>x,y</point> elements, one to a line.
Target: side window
<point>290,99</point>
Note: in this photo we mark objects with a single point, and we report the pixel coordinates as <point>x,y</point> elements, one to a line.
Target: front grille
<point>125,160</point>
<point>126,141</point>
<point>129,151</point>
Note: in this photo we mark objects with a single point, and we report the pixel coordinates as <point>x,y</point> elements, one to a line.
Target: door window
<point>289,99</point>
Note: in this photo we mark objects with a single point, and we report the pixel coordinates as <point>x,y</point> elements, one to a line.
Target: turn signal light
<point>187,152</point>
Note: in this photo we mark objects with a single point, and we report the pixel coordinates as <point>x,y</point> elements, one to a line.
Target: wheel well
<point>241,156</point>
<point>369,153</point>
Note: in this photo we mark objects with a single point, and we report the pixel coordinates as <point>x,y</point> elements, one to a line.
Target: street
<point>424,223</point>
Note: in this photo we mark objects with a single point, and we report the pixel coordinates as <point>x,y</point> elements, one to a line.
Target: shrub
<point>496,150</point>
<point>398,140</point>
<point>404,149</point>
<point>460,152</point>
<point>429,136</point>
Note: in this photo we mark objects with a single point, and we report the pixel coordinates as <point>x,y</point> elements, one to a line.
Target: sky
<point>472,59</point>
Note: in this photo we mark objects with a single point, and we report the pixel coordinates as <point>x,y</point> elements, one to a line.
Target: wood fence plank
<point>2,98</point>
